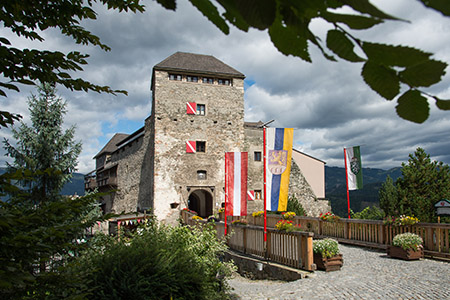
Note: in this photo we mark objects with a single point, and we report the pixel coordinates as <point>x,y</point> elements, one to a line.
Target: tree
<point>388,197</point>
<point>44,148</point>
<point>27,19</point>
<point>385,67</point>
<point>424,183</point>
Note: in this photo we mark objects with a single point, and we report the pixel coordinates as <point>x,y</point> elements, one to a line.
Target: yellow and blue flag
<point>278,167</point>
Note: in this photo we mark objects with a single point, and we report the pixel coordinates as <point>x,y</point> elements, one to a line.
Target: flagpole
<point>265,188</point>
<point>346,180</point>
<point>226,195</point>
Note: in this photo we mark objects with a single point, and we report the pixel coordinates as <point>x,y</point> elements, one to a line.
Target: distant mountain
<point>336,189</point>
<point>74,187</point>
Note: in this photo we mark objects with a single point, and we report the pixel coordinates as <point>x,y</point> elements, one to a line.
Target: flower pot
<point>222,216</point>
<point>328,264</point>
<point>399,252</point>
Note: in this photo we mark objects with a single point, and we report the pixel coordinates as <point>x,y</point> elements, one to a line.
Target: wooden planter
<point>399,252</point>
<point>328,263</point>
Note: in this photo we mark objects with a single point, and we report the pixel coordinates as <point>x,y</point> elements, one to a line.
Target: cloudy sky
<point>327,103</point>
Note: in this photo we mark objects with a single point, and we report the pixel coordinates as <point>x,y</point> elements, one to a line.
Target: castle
<point>177,159</point>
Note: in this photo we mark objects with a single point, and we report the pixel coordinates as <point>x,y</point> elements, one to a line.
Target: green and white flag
<point>354,169</point>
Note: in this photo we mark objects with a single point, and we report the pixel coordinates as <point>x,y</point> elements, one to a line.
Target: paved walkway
<point>366,274</point>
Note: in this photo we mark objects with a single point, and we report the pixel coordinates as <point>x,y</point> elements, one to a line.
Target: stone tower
<point>197,116</point>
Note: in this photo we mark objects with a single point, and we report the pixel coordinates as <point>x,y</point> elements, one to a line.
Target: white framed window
<point>190,78</point>
<point>223,81</point>
<point>201,175</point>
<point>208,80</point>
<point>177,77</point>
<point>200,146</point>
<point>201,109</point>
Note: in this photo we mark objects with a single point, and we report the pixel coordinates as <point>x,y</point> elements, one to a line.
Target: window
<point>208,80</point>
<point>201,146</point>
<point>258,195</point>
<point>201,174</point>
<point>195,146</point>
<point>192,78</point>
<point>257,156</point>
<point>201,109</point>
<point>177,77</point>
<point>223,81</point>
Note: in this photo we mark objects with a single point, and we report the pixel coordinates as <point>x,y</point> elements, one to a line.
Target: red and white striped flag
<point>236,183</point>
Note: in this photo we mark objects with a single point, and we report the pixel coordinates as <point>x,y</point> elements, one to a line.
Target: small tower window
<point>201,175</point>
<point>222,81</point>
<point>208,80</point>
<point>192,78</point>
<point>201,109</point>
<point>177,77</point>
<point>201,146</point>
<point>257,156</point>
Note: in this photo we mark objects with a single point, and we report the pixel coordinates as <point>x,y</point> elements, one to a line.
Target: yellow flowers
<point>258,213</point>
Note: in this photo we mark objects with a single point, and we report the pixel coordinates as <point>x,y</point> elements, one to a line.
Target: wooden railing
<point>292,249</point>
<point>371,233</point>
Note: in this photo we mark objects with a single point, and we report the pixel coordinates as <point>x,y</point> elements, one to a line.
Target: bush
<point>295,206</point>
<point>158,262</point>
<point>369,213</point>
<point>326,247</point>
<point>408,241</point>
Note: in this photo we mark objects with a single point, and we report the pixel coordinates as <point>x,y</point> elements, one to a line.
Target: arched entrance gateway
<point>201,201</point>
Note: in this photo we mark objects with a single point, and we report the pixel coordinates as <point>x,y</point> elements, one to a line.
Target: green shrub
<point>369,213</point>
<point>295,206</point>
<point>326,247</point>
<point>158,262</point>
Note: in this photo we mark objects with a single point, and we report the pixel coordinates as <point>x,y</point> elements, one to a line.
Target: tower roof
<point>197,63</point>
<point>111,146</point>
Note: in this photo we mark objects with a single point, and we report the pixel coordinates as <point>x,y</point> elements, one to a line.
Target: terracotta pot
<point>328,264</point>
<point>399,252</point>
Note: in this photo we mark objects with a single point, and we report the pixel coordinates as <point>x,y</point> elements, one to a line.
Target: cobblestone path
<point>366,274</point>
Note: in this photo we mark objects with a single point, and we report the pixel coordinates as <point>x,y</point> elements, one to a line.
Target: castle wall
<point>222,128</point>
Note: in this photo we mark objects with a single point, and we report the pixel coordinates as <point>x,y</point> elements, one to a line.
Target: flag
<point>236,183</point>
<point>278,151</point>
<point>353,168</point>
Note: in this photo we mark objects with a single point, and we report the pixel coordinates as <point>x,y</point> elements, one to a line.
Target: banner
<point>236,183</point>
<point>278,151</point>
<point>354,169</point>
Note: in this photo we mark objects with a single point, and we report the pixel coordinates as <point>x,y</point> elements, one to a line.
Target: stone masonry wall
<point>222,128</point>
<point>132,174</point>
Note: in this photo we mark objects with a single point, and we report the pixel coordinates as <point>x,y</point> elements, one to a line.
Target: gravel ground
<point>366,274</point>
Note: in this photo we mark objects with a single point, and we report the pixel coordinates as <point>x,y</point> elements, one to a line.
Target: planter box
<point>328,263</point>
<point>399,252</point>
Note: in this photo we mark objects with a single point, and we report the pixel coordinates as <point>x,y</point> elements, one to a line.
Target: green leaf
<point>4,41</point>
<point>259,14</point>
<point>439,5</point>
<point>365,7</point>
<point>390,55</point>
<point>168,4</point>
<point>352,21</point>
<point>288,41</point>
<point>210,11</point>
<point>424,74</point>
<point>412,106</point>
<point>442,104</point>
<point>338,42</point>
<point>381,79</point>
<point>232,14</point>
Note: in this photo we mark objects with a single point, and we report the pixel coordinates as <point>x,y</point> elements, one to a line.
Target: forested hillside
<point>74,187</point>
<point>336,191</point>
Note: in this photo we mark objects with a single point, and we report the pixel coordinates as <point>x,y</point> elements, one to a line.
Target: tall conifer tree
<point>44,147</point>
<point>424,183</point>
